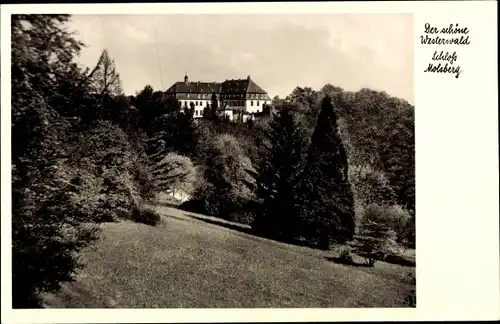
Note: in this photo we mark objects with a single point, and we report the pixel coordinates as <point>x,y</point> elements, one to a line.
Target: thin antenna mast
<point>158,55</point>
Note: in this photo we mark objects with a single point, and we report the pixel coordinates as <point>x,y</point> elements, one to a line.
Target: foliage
<point>226,183</point>
<point>173,173</point>
<point>345,255</point>
<point>326,198</point>
<point>145,215</point>
<point>378,134</point>
<point>48,227</point>
<point>394,217</point>
<point>104,79</point>
<point>307,102</point>
<point>214,107</point>
<point>279,175</point>
<point>167,126</point>
<point>377,131</point>
<point>380,129</point>
<point>378,236</point>
<point>411,299</point>
<point>369,186</point>
<point>107,153</point>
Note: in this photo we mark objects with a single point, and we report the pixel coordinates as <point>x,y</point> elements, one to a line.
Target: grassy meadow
<point>187,261</point>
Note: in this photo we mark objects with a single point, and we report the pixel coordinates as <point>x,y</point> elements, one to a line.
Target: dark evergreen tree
<point>214,106</point>
<point>279,175</point>
<point>327,203</point>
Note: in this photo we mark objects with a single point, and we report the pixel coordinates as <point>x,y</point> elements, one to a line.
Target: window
<point>251,103</point>
<point>188,95</point>
<point>196,103</point>
<point>258,103</point>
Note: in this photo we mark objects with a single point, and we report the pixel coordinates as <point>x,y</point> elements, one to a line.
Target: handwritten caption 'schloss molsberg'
<point>434,36</point>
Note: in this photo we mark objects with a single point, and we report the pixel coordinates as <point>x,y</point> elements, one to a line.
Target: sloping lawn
<point>185,262</point>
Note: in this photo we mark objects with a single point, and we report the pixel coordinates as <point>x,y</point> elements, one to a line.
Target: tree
<point>370,186</point>
<point>214,106</point>
<point>327,203</point>
<point>279,175</point>
<point>227,183</point>
<point>168,127</point>
<point>173,173</point>
<point>105,80</point>
<point>181,132</point>
<point>47,230</point>
<point>306,100</point>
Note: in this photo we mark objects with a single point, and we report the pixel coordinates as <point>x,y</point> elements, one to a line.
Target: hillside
<point>187,262</point>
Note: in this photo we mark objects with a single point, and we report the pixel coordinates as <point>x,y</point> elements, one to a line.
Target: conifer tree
<point>327,203</point>
<point>279,174</point>
<point>104,78</point>
<point>214,105</point>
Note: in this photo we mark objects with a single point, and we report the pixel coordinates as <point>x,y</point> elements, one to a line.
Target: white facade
<point>250,106</point>
<point>199,106</point>
<point>255,106</point>
<point>229,114</point>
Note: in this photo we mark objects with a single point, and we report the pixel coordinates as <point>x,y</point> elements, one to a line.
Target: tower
<point>186,78</point>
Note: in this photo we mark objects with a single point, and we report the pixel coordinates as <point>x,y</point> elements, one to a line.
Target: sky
<point>279,52</point>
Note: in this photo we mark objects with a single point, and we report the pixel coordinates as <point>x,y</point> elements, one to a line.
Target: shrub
<point>378,238</point>
<point>243,217</point>
<point>394,217</point>
<point>145,215</point>
<point>345,255</point>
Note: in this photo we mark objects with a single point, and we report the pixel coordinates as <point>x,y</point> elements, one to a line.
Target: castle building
<point>237,99</point>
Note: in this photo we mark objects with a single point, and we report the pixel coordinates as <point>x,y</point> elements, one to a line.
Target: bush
<point>394,217</point>
<point>345,255</point>
<point>378,237</point>
<point>243,217</point>
<point>145,215</point>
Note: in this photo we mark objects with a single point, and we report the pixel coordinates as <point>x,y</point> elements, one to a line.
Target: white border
<point>456,159</point>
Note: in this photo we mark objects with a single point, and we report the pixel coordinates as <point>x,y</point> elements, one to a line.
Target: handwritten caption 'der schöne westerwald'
<point>453,35</point>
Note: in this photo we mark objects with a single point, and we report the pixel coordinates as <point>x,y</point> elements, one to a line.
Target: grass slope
<point>186,262</point>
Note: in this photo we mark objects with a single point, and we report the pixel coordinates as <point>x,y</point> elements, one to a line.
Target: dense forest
<point>319,167</point>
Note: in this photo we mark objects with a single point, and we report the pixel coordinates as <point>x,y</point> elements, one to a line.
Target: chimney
<point>186,78</point>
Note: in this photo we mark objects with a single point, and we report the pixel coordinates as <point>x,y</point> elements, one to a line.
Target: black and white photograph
<point>216,160</point>
<point>226,161</point>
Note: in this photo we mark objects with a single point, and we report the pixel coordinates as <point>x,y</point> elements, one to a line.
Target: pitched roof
<point>195,87</point>
<point>228,86</point>
<point>254,88</point>
<point>234,86</point>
